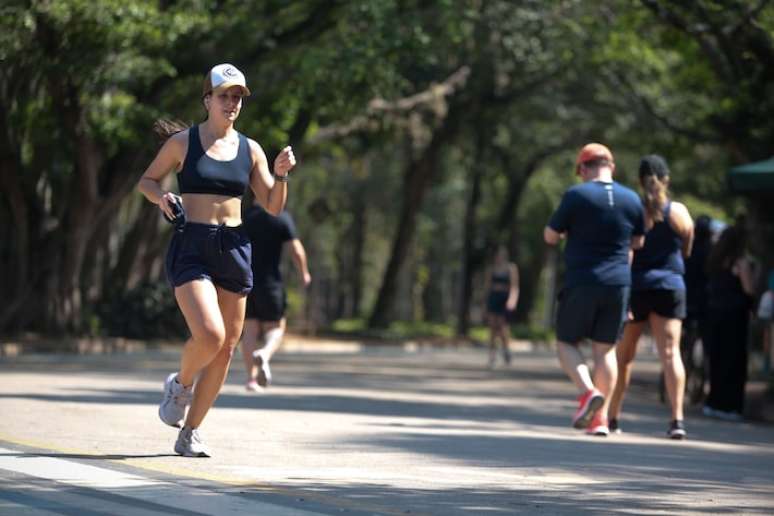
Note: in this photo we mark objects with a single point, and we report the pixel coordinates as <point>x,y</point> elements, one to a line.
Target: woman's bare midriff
<point>213,209</point>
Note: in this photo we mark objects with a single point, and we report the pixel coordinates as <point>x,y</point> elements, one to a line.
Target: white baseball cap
<point>224,76</point>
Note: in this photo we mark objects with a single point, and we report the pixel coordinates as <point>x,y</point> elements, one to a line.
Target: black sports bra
<point>202,174</point>
<point>501,278</point>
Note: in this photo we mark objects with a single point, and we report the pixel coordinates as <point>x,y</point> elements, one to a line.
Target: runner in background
<point>658,296</point>
<point>267,302</point>
<point>502,297</point>
<point>601,221</point>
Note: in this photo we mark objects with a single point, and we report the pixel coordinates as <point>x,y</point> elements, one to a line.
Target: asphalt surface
<point>348,429</point>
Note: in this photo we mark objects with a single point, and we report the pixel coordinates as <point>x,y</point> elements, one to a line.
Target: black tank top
<point>202,174</point>
<point>726,293</point>
<point>501,278</point>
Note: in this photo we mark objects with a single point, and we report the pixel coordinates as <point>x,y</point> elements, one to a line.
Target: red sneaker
<point>588,405</point>
<point>598,426</point>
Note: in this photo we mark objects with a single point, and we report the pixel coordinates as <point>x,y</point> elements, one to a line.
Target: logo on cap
<point>230,72</point>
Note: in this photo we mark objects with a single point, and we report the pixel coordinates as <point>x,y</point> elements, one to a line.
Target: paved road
<point>361,431</point>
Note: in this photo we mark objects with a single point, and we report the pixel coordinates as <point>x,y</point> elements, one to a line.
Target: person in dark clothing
<point>266,303</point>
<point>696,280</point>
<point>658,291</point>
<point>602,222</point>
<point>502,296</point>
<point>731,286</point>
<point>695,324</point>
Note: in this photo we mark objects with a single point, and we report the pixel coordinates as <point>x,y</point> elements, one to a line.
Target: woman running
<point>658,293</point>
<point>208,261</point>
<point>503,288</point>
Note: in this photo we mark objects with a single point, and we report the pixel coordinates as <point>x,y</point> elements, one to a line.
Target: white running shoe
<point>176,399</point>
<point>189,443</point>
<point>264,372</point>
<point>252,386</point>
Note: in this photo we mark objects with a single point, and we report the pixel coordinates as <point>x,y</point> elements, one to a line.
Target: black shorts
<point>666,303</point>
<point>496,301</point>
<point>220,254</point>
<point>595,312</point>
<point>266,303</point>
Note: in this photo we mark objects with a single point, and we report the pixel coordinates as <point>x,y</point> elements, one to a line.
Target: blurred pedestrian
<point>694,334</point>
<point>502,297</point>
<point>766,316</point>
<point>602,222</point>
<point>696,279</point>
<point>208,261</point>
<point>731,286</point>
<point>658,296</point>
<point>266,303</point>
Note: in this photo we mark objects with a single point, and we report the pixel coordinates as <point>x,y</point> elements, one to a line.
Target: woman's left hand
<point>285,162</point>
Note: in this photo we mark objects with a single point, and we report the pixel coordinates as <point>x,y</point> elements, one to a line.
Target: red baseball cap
<point>592,151</point>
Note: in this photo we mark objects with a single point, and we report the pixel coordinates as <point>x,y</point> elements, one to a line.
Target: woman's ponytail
<point>165,128</point>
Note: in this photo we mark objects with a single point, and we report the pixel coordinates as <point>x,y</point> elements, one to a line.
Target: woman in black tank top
<point>208,262</point>
<point>502,296</point>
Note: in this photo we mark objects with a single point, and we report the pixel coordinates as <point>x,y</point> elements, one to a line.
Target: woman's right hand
<point>166,201</point>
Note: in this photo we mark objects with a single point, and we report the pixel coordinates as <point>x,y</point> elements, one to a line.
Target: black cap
<point>653,165</point>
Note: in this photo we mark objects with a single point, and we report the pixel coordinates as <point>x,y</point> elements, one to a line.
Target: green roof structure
<point>752,177</point>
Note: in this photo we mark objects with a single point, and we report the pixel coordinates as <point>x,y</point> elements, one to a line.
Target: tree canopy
<point>428,133</point>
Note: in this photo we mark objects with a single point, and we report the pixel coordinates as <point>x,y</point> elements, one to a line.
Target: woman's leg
<point>198,300</point>
<point>738,358</point>
<point>249,343</point>
<point>492,320</point>
<point>504,331</point>
<point>667,334</point>
<point>713,344</point>
<point>232,308</point>
<point>625,351</point>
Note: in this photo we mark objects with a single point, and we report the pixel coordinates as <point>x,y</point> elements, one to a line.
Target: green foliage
<point>546,78</point>
<point>148,311</point>
<point>398,330</point>
<point>407,330</point>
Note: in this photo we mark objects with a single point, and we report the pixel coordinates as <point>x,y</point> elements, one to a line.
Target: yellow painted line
<point>145,465</point>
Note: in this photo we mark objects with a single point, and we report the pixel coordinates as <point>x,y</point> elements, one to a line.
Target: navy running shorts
<point>595,312</point>
<point>666,303</point>
<point>220,254</point>
<point>266,303</point>
<point>496,301</point>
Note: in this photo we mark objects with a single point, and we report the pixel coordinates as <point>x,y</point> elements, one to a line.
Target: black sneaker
<point>613,426</point>
<point>676,430</point>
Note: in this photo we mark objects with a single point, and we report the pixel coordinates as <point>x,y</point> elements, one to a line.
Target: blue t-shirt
<point>600,220</point>
<point>659,264</point>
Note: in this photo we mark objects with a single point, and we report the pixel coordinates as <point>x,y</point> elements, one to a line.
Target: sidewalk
<point>380,430</point>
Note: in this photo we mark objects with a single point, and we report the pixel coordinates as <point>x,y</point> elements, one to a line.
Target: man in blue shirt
<point>602,222</point>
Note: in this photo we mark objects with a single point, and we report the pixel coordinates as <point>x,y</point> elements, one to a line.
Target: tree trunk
<point>79,227</point>
<point>16,276</point>
<point>359,230</point>
<point>472,256</point>
<point>417,178</point>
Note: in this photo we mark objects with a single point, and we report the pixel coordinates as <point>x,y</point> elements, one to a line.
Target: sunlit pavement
<point>348,429</point>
